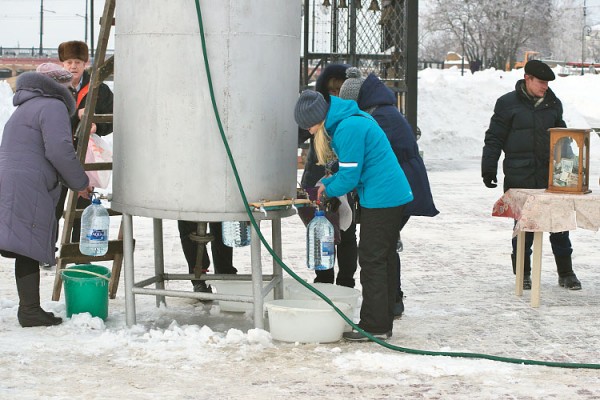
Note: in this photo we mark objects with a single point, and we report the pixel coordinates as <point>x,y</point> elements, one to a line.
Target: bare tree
<point>567,27</point>
<point>495,31</point>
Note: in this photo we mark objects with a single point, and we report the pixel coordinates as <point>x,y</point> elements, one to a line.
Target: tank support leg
<point>257,284</point>
<point>159,259</point>
<point>129,275</point>
<point>277,270</point>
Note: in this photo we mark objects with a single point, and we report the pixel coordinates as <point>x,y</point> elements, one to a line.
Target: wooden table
<point>538,211</point>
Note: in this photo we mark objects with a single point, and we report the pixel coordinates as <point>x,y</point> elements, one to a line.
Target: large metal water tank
<point>169,159</point>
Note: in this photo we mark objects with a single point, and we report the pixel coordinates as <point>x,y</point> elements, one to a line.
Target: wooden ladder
<point>69,251</point>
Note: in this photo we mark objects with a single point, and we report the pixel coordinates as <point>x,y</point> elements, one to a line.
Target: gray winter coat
<point>36,154</point>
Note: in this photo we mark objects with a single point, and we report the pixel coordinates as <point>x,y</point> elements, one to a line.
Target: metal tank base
<point>275,279</point>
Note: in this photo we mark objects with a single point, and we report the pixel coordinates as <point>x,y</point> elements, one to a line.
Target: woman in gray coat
<point>36,157</point>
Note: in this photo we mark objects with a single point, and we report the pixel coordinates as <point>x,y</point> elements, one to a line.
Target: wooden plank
<point>71,254</point>
<point>280,203</point>
<point>106,69</point>
<point>104,166</point>
<point>102,118</point>
<point>116,268</point>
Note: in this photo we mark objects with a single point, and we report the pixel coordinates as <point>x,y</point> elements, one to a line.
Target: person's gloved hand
<point>490,180</point>
<point>330,204</point>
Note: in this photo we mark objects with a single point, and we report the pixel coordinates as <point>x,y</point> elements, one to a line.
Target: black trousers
<point>222,255</point>
<point>561,247</point>
<point>400,293</point>
<point>378,259</point>
<point>23,265</point>
<point>347,259</point>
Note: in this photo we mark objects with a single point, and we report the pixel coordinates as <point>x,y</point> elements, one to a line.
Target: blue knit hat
<point>311,108</point>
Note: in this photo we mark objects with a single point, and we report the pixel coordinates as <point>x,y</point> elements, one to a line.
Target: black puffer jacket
<point>520,129</point>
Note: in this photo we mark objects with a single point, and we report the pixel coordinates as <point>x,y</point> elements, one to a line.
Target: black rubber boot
<point>526,265</point>
<point>526,270</point>
<point>30,313</point>
<point>566,276</point>
<point>564,266</point>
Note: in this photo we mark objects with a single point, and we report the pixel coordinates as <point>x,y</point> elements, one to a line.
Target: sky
<point>63,20</point>
<point>456,276</point>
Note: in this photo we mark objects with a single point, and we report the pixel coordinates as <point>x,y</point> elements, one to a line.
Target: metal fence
<point>375,35</point>
<point>368,34</point>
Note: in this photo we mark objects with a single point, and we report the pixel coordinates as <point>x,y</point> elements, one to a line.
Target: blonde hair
<point>322,145</point>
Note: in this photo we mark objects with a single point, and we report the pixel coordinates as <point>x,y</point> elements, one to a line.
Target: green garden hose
<point>317,292</point>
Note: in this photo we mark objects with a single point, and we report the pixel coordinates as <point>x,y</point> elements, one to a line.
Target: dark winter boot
<point>399,305</point>
<point>30,313</point>
<point>526,270</point>
<point>566,276</point>
<point>324,276</point>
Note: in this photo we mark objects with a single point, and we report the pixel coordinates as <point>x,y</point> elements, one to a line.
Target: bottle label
<point>327,246</point>
<point>98,235</point>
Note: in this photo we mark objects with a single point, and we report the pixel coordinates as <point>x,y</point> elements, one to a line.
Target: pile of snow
<point>454,111</point>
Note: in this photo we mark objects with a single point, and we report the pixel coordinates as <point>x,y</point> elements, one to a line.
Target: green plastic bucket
<point>86,289</point>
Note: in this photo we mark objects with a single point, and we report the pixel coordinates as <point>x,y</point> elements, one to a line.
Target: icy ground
<point>456,276</point>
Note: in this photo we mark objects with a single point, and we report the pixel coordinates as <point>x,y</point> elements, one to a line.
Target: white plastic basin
<point>305,321</point>
<point>335,293</point>
<point>242,288</point>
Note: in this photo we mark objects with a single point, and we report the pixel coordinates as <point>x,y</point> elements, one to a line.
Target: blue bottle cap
<point>95,200</point>
<point>319,213</point>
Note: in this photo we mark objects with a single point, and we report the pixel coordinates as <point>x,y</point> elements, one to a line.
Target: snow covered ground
<point>456,276</point>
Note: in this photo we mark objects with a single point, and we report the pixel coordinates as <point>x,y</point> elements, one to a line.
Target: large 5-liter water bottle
<point>236,233</point>
<point>94,230</point>
<point>320,249</point>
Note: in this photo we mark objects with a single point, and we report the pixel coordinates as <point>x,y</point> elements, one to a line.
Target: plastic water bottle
<point>94,230</point>
<point>320,248</point>
<point>236,233</point>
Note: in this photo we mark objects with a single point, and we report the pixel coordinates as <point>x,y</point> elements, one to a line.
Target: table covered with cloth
<point>538,211</point>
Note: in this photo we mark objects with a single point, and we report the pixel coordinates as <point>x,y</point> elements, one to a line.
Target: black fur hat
<point>73,49</point>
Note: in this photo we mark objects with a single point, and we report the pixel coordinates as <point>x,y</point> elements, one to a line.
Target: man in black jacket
<point>519,128</point>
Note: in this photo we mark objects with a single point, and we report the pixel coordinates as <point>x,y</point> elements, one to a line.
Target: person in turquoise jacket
<point>366,161</point>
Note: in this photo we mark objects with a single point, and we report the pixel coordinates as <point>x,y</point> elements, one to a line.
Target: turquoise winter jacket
<point>366,159</point>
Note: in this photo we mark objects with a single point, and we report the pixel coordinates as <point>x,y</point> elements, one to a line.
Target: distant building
<point>455,60</point>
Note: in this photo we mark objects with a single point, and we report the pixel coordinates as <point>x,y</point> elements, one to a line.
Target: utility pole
<point>583,30</point>
<point>86,21</point>
<point>412,63</point>
<point>92,29</point>
<point>41,27</point>
<point>462,64</point>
